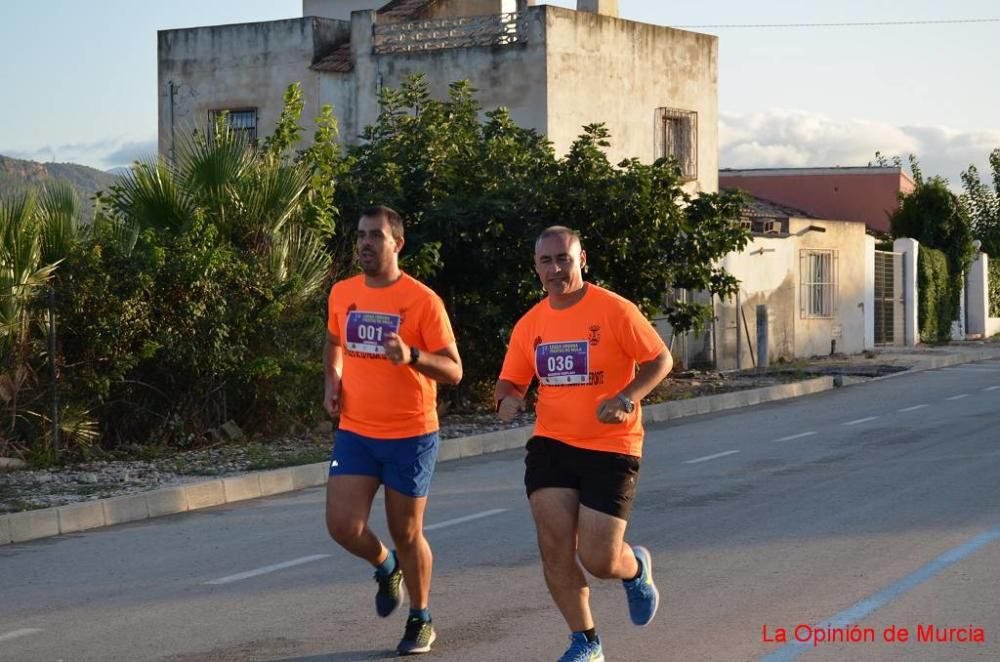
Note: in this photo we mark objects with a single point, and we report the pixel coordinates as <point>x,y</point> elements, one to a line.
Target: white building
<point>556,69</point>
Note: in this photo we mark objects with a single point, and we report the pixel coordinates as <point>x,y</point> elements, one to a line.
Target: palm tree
<point>37,231</point>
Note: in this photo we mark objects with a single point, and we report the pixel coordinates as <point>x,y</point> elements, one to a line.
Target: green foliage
<point>983,205</point>
<point>994,288</point>
<point>475,194</point>
<point>938,297</point>
<point>933,215</point>
<point>38,229</point>
<point>197,296</point>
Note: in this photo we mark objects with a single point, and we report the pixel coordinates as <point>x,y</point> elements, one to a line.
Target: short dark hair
<point>391,216</point>
<point>557,230</point>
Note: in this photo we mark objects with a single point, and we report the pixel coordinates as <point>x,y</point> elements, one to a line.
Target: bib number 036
<point>563,363</point>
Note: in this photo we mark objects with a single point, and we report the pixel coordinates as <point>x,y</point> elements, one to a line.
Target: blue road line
<point>860,610</point>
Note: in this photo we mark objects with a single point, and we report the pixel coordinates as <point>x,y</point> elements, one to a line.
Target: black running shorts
<point>605,481</point>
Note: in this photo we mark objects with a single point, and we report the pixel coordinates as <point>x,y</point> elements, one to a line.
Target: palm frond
<point>298,260</point>
<point>150,197</point>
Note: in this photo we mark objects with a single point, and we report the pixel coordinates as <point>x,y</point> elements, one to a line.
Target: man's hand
<point>611,411</point>
<point>509,407</point>
<point>396,350</point>
<point>331,400</point>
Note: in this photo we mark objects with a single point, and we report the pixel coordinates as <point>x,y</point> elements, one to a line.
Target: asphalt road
<point>876,506</point>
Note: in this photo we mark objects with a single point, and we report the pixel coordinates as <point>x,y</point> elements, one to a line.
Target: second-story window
<point>242,121</point>
<point>676,135</point>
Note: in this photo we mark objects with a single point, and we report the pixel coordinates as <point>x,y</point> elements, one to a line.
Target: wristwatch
<point>627,405</point>
<point>414,355</point>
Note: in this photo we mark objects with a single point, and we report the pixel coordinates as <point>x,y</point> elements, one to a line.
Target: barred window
<point>818,279</point>
<point>242,121</point>
<point>677,136</point>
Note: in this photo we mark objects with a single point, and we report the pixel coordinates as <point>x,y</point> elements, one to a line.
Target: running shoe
<point>643,598</point>
<point>581,650</point>
<point>417,638</point>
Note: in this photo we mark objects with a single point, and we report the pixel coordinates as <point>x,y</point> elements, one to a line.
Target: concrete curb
<point>34,524</point>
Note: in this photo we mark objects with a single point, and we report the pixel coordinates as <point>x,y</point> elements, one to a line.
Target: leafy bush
<point>938,303</point>
<point>994,287</point>
<point>475,194</point>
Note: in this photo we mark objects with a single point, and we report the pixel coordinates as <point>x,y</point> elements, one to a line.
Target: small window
<point>242,122</point>
<point>818,283</point>
<point>677,137</point>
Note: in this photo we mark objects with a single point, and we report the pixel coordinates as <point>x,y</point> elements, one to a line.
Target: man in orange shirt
<point>389,342</point>
<point>583,342</point>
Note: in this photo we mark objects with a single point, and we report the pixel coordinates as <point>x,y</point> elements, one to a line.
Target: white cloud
<point>795,138</point>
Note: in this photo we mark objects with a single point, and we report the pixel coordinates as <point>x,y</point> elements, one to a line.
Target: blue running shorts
<point>406,465</point>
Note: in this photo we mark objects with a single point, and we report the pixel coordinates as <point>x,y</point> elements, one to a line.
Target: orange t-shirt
<point>582,355</point>
<point>379,399</point>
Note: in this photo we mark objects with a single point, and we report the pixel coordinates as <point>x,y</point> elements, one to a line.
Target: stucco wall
<point>511,76</point>
<point>769,271</point>
<point>767,276</point>
<point>604,69</point>
<point>853,194</point>
<point>238,66</point>
<point>847,327</point>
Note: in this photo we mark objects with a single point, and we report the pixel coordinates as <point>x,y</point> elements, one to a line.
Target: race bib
<point>367,332</point>
<point>563,363</point>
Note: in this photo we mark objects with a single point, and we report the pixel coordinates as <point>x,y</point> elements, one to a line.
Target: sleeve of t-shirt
<point>638,337</point>
<point>332,318</point>
<point>435,327</point>
<point>517,364</point>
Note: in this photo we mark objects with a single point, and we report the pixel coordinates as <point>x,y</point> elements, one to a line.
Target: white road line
<point>958,397</point>
<point>709,457</point>
<point>796,436</point>
<point>861,420</point>
<point>462,520</point>
<point>992,388</point>
<point>267,569</point>
<point>14,634</point>
<point>913,408</point>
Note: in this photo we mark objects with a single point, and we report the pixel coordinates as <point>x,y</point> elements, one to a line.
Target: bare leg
<point>405,516</point>
<point>603,550</point>
<point>348,506</point>
<point>556,512</point>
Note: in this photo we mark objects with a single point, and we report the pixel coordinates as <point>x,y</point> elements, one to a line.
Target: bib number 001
<point>367,331</point>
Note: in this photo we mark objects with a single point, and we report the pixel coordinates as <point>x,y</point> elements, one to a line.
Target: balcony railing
<point>461,32</point>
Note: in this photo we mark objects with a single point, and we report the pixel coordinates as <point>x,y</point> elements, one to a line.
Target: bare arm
<point>650,374</point>
<point>509,398</point>
<point>333,364</point>
<point>444,366</point>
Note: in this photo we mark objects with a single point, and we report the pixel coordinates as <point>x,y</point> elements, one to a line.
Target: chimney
<point>602,7</point>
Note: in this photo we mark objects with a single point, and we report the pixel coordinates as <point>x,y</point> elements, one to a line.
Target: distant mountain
<point>119,171</point>
<point>17,175</point>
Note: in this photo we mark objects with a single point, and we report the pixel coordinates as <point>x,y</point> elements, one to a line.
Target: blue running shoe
<point>643,598</point>
<point>581,650</point>
<point>390,591</point>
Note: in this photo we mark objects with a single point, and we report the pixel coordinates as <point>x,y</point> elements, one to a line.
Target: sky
<point>79,77</point>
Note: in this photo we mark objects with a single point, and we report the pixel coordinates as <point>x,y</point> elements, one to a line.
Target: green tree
<point>199,295</point>
<point>982,204</point>
<point>933,215</point>
<point>475,193</point>
<point>38,229</point>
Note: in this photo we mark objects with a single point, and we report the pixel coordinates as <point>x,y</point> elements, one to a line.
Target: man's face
<point>559,264</point>
<point>378,250</point>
